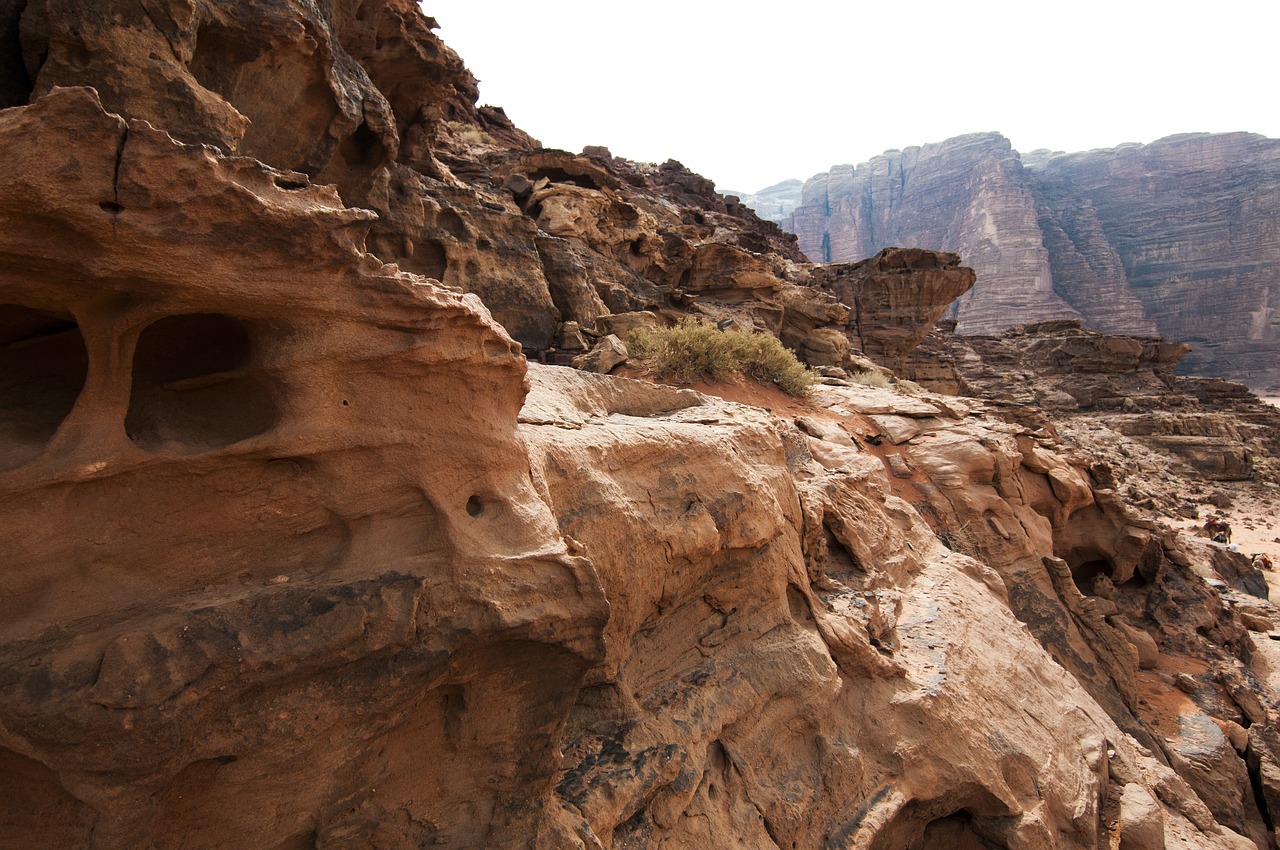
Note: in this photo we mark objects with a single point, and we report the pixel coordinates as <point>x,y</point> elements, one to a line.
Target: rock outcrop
<point>303,552</point>
<point>773,203</point>
<point>895,297</point>
<point>1173,237</point>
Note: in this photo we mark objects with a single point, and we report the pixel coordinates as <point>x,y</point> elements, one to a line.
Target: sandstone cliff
<point>1175,237</point>
<point>301,551</point>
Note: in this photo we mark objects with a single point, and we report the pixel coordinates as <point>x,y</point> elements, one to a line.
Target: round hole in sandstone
<point>429,260</point>
<point>474,506</point>
<point>450,222</point>
<point>43,366</point>
<point>193,386</point>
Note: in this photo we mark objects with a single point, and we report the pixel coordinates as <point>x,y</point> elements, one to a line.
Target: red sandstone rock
<point>301,553</point>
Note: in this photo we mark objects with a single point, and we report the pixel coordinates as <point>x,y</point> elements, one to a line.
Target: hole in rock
<point>291,184</point>
<point>15,82</point>
<point>699,218</point>
<point>79,56</point>
<point>627,213</point>
<point>474,506</point>
<point>43,366</point>
<point>450,222</point>
<point>559,175</point>
<point>427,257</point>
<point>362,149</point>
<point>429,260</point>
<point>191,388</point>
<point>956,832</point>
<point>111,207</point>
<point>1084,574</point>
<point>1087,563</point>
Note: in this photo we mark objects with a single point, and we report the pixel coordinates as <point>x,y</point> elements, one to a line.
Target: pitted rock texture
<point>1174,237</point>
<point>235,567</point>
<point>301,552</point>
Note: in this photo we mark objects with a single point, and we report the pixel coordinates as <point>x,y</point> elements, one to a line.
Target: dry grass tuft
<point>693,350</point>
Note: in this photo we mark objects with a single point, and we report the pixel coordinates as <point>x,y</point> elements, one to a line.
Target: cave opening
<point>1087,563</point>
<point>43,368</point>
<point>16,84</point>
<point>193,386</point>
<point>956,831</point>
<point>559,175</point>
<point>363,149</point>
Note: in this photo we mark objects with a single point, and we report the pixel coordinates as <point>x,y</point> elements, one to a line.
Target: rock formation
<point>774,203</point>
<point>302,552</point>
<point>1172,237</point>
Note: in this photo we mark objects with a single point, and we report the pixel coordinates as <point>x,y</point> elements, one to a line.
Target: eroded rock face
<point>895,297</point>
<point>230,483</point>
<point>969,195</point>
<point>1174,237</point>
<point>303,554</point>
<point>1191,218</point>
<point>1126,385</point>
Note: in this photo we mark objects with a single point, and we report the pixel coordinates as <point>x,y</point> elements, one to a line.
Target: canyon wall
<point>1178,237</point>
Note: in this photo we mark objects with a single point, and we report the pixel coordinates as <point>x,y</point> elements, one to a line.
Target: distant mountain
<point>1179,237</point>
<point>776,203</point>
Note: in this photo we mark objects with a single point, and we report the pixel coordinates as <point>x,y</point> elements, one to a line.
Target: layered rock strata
<point>1174,237</point>
<point>1126,385</point>
<point>303,553</point>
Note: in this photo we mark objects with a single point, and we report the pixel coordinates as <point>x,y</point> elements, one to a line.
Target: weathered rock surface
<point>895,297</point>
<point>1192,220</point>
<point>301,552</point>
<point>235,568</point>
<point>1174,237</point>
<point>1125,385</point>
<point>968,195</point>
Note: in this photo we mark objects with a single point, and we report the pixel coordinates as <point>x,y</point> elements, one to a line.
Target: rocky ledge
<point>304,552</point>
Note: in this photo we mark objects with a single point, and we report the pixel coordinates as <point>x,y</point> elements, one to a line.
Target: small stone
<point>1185,683</point>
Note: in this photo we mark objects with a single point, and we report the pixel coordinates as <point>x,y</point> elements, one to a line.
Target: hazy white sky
<point>751,93</point>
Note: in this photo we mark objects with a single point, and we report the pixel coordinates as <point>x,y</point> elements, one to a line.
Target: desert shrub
<point>692,350</point>
<point>960,539</point>
<point>469,134</point>
<point>869,379</point>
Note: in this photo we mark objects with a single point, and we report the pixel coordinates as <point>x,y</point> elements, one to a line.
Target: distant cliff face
<point>1177,237</point>
<point>1195,223</point>
<point>773,203</point>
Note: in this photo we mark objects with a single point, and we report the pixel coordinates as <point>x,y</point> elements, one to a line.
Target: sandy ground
<point>1254,518</point>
